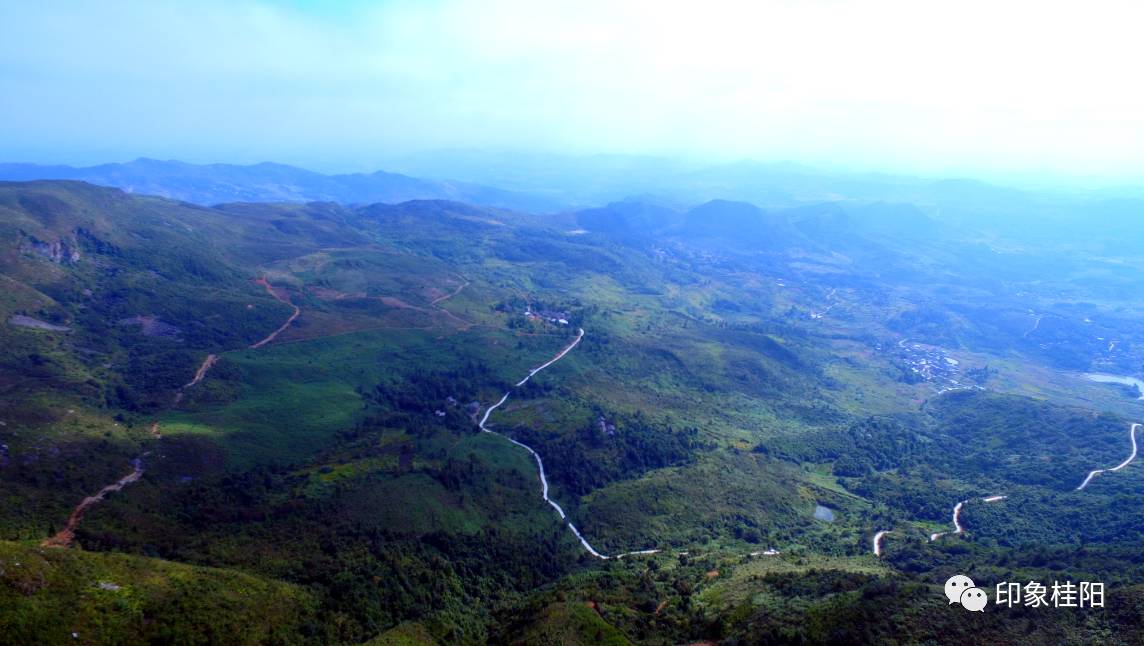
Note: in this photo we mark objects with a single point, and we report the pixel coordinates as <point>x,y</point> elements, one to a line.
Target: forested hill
<point>262,422</point>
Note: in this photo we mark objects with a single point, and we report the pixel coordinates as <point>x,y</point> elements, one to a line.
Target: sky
<point>980,87</point>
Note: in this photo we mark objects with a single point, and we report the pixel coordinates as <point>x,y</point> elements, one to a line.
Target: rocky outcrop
<point>153,326</point>
<point>20,320</point>
<point>62,251</point>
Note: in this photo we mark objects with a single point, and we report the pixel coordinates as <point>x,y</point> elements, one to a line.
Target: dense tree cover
<point>980,439</point>
<point>425,392</point>
<point>926,324</point>
<point>57,596</point>
<point>384,507</point>
<point>873,444</point>
<point>610,448</point>
<point>366,576</point>
<point>1024,441</point>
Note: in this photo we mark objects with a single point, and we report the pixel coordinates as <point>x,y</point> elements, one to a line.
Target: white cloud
<point>975,85</point>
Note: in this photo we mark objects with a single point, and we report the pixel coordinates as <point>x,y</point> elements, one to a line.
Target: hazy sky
<point>910,85</point>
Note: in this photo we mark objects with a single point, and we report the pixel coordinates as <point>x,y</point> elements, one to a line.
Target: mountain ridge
<point>209,184</point>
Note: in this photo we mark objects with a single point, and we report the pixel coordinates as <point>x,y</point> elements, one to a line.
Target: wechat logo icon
<point>960,589</point>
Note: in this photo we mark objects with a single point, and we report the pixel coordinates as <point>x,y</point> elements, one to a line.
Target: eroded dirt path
<point>65,537</point>
<point>437,307</point>
<point>204,367</point>
<point>450,295</point>
<point>207,364</point>
<point>212,359</point>
<point>281,298</point>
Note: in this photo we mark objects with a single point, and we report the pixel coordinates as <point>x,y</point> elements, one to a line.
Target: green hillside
<point>324,478</point>
<point>53,596</point>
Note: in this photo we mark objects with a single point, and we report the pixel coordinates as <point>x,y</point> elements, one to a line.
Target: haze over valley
<point>427,355</point>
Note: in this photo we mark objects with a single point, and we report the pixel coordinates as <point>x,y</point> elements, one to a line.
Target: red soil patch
<point>393,301</point>
<point>65,537</point>
<point>327,294</point>
<point>282,296</point>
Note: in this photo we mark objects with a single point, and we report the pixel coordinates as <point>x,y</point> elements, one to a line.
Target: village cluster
<point>932,365</point>
<point>559,318</point>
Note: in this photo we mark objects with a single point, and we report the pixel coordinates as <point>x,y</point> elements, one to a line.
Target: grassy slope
<point>54,596</point>
<point>276,464</point>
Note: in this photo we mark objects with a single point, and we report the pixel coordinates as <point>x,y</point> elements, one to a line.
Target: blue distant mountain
<point>267,182</point>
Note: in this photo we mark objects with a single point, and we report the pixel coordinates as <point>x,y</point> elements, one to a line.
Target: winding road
<point>958,528</point>
<point>878,541</point>
<point>540,462</point>
<point>1132,456</point>
<point>830,296</point>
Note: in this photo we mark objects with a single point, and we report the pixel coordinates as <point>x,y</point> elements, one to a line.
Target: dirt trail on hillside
<point>465,325</point>
<point>65,537</point>
<point>207,364</point>
<point>433,307</point>
<point>448,296</point>
<point>393,301</point>
<point>436,303</point>
<point>284,299</point>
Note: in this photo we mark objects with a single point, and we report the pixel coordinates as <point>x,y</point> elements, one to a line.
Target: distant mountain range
<point>541,184</point>
<point>535,183</point>
<point>832,226</point>
<point>268,182</point>
<point>599,179</point>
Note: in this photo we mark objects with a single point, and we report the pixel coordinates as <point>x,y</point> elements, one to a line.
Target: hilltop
<point>301,387</point>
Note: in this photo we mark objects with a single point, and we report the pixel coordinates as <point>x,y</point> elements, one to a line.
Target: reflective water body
<point>1115,379</point>
<point>824,513</point>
